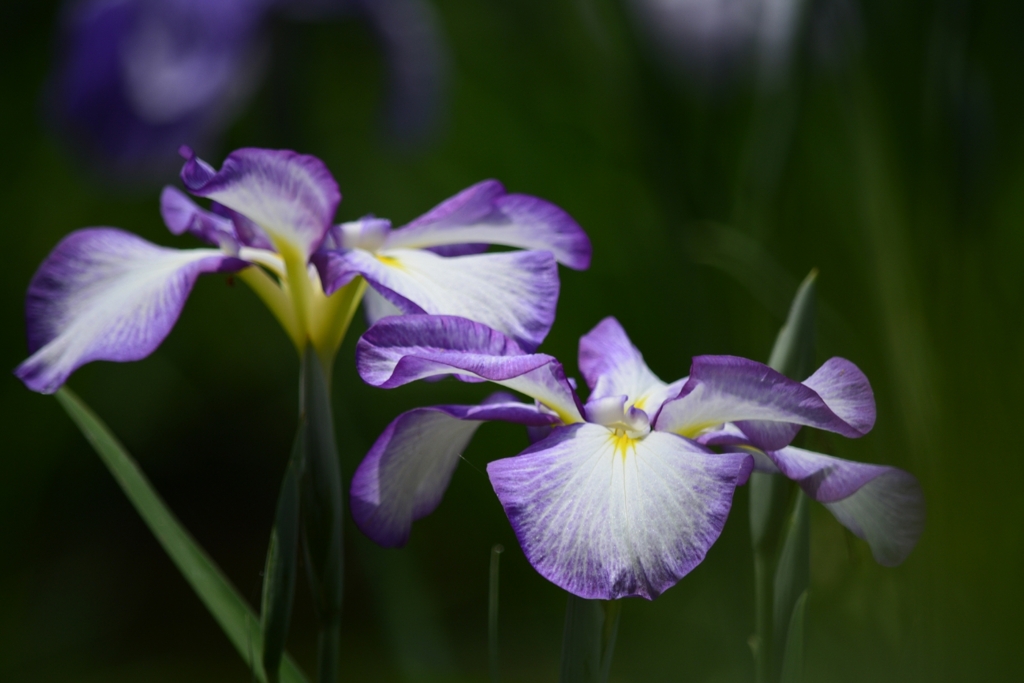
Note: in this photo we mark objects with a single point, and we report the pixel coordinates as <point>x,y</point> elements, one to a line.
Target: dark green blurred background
<point>897,169</point>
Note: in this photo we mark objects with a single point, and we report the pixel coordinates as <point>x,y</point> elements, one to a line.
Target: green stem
<point>322,510</point>
<point>328,643</point>
<point>588,641</point>
<point>764,578</point>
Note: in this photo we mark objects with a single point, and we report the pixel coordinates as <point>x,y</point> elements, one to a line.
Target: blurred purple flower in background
<point>135,79</point>
<point>713,41</point>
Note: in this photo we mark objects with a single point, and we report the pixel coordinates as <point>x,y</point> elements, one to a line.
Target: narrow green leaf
<point>282,562</point>
<point>231,612</point>
<point>793,657</point>
<point>792,575</point>
<point>492,613</point>
<point>322,511</point>
<point>769,495</point>
<point>781,564</point>
<point>588,641</point>
<point>793,353</point>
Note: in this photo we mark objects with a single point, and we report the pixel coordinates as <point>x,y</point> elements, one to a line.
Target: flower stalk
<point>588,641</point>
<point>322,511</point>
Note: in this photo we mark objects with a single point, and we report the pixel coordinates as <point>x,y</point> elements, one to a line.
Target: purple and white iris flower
<point>623,496</point>
<point>136,78</point>
<point>436,264</point>
<point>106,294</point>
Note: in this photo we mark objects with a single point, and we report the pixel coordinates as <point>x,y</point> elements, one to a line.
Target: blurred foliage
<point>896,168</point>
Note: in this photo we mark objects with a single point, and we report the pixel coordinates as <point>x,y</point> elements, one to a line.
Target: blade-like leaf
<point>492,613</point>
<point>282,561</point>
<point>781,564</point>
<point>792,574</point>
<point>793,657</point>
<point>236,618</point>
<point>793,353</point>
<point>588,641</point>
<point>769,495</point>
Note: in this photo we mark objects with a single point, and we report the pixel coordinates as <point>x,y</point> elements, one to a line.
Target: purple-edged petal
<point>402,349</point>
<point>484,214</point>
<point>765,404</point>
<point>513,292</point>
<point>612,366</point>
<point>604,520</point>
<point>105,294</point>
<point>182,215</point>
<point>847,392</point>
<point>882,505</point>
<point>291,197</point>
<point>405,474</point>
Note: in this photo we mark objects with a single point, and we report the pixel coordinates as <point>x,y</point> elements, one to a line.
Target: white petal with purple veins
<point>105,294</point>
<point>484,214</point>
<point>512,292</point>
<point>607,517</point>
<point>882,505</point>
<point>291,197</point>
<point>765,404</point>
<point>406,473</point>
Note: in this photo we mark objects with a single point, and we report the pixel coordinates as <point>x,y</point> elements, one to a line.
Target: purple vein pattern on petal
<point>408,469</point>
<point>291,197</point>
<point>765,404</point>
<point>604,524</point>
<point>882,505</point>
<point>105,294</point>
<point>513,292</point>
<point>182,215</point>
<point>403,349</point>
<point>485,214</point>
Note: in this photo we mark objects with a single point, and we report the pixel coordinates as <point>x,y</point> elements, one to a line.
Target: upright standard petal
<point>406,473</point>
<point>403,349</point>
<point>612,366</point>
<point>485,214</point>
<point>105,294</point>
<point>291,197</point>
<point>765,404</point>
<point>881,505</point>
<point>513,292</point>
<point>606,520</point>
